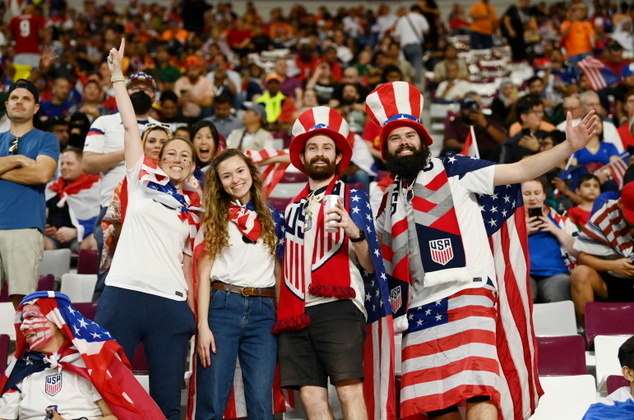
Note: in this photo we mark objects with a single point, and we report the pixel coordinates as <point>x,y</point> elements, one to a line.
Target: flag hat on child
<point>320,120</point>
<point>396,104</point>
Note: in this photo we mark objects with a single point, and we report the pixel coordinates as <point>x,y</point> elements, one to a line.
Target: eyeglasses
<point>13,146</point>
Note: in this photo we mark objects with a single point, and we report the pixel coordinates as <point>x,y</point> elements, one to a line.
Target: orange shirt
<point>578,38</point>
<point>486,25</point>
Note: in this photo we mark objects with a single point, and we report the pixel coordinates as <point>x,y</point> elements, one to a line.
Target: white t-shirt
<point>150,251</point>
<point>404,31</point>
<point>242,264</point>
<point>74,396</point>
<point>356,281</point>
<point>106,136</point>
<point>610,133</point>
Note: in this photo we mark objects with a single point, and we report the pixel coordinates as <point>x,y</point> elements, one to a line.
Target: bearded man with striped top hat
<point>462,309</point>
<point>330,250</point>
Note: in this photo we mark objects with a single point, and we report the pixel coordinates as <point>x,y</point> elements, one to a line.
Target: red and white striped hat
<point>320,120</point>
<point>396,104</point>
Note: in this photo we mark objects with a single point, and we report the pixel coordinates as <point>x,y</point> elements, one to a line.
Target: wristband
<point>115,79</point>
<point>360,238</point>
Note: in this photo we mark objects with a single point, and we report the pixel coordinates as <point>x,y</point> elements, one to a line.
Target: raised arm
<point>133,149</point>
<point>577,137</point>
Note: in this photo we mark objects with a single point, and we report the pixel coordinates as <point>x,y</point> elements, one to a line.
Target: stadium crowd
<point>159,153</point>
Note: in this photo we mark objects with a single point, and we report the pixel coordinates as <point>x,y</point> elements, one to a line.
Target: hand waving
<point>115,58</point>
<point>579,135</point>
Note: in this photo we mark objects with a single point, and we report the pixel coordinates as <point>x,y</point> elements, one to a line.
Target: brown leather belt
<point>244,291</point>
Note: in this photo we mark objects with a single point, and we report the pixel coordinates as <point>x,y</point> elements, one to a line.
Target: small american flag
<point>470,147</point>
<point>273,172</point>
<point>617,168</point>
<point>599,76</point>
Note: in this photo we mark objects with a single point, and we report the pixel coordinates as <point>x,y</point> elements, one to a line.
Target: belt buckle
<point>248,291</point>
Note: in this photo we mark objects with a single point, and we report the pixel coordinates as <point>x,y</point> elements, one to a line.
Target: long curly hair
<point>216,216</point>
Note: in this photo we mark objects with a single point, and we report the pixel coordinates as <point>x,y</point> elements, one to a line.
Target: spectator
<point>410,30</point>
<point>385,20</point>
<point>452,89</point>
<point>605,269</point>
<point>223,118</point>
<point>394,56</point>
<point>514,23</point>
<point>535,86</point>
<point>225,80</point>
<point>78,126</point>
<point>148,297</point>
<point>92,103</point>
<point>195,92</point>
<point>236,282</point>
<point>535,102</point>
<point>577,34</point>
<point>103,149</point>
<point>166,73</point>
<point>330,59</point>
<point>484,23</point>
<point>322,83</point>
<point>253,136</point>
<point>28,158</point>
<point>504,101</point>
<point>169,111</point>
<point>588,189</point>
<point>72,204</point>
<point>450,55</point>
<point>550,239</point>
<point>54,341</point>
<point>489,133</point>
<point>60,105</point>
<point>352,107</point>
<point>626,84</point>
<point>596,154</point>
<point>59,127</point>
<point>291,86</point>
<point>626,130</point>
<point>207,145</point>
<point>279,108</point>
<point>306,60</point>
<point>613,57</point>
<point>28,32</point>
<point>620,403</point>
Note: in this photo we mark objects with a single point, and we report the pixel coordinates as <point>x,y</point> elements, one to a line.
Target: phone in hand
<point>534,212</point>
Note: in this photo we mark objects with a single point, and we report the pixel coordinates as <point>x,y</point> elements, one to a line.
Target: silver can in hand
<point>330,203</point>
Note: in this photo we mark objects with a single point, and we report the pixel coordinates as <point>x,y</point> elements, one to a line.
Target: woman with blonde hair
<point>237,277</point>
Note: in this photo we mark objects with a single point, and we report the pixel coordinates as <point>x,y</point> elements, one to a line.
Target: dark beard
<point>141,102</point>
<point>407,167</point>
<point>320,173</point>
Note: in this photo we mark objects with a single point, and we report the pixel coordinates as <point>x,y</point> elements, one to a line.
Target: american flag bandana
<point>106,365</point>
<point>246,220</point>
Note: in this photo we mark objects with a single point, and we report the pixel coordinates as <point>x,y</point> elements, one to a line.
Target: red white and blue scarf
<point>82,196</point>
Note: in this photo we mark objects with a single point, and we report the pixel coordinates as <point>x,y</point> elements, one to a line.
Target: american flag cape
<point>617,168</point>
<point>503,216</point>
<point>283,400</point>
<point>599,76</point>
<point>272,173</point>
<point>83,198</point>
<point>107,367</point>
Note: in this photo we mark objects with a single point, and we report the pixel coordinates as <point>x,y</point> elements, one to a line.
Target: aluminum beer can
<point>330,203</point>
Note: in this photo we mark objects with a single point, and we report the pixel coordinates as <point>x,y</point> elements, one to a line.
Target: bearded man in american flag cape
<point>61,359</point>
<point>464,308</point>
<point>333,316</point>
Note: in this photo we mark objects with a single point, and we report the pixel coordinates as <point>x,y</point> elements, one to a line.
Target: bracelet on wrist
<point>116,79</point>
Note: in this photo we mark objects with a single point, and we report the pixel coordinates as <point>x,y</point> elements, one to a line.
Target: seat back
<point>4,351</point>
<point>87,309</point>
<point>565,397</point>
<point>563,355</point>
<point>608,318</point>
<point>556,318</point>
<point>55,262</point>
<point>78,287</point>
<point>87,261</point>
<point>615,382</point>
<point>606,349</point>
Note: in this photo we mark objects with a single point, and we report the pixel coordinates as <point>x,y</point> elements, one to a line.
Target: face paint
<point>36,328</point>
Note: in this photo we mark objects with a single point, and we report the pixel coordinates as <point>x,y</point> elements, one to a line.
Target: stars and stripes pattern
<point>470,147</point>
<point>272,173</point>
<point>606,232</point>
<point>468,363</point>
<point>106,365</point>
<point>617,168</point>
<point>82,196</point>
<point>599,76</point>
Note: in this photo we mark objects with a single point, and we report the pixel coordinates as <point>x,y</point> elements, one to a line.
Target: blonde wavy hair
<point>217,202</point>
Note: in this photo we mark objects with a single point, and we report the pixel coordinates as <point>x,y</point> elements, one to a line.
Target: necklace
<point>313,198</point>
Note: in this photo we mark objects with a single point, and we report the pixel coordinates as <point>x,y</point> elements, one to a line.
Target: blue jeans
<point>164,326</point>
<point>414,54</point>
<point>241,326</point>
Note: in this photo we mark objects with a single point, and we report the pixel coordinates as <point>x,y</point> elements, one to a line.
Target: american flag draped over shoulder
<point>503,215</point>
<point>378,350</point>
<point>107,367</point>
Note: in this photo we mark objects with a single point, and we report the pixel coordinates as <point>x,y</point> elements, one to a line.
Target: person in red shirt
<point>613,57</point>
<point>27,31</point>
<point>625,129</point>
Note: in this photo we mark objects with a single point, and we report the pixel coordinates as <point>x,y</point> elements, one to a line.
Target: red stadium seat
<point>87,309</point>
<point>608,318</point>
<point>615,382</point>
<point>4,351</point>
<point>87,262</point>
<point>279,202</point>
<point>564,355</point>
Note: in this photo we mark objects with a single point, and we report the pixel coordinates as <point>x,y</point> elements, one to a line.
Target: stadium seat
<point>87,309</point>
<point>78,287</point>
<point>7,319</point>
<point>565,397</point>
<point>55,262</point>
<point>608,318</point>
<point>565,355</point>
<point>87,261</point>
<point>615,382</point>
<point>606,348</point>
<point>279,202</point>
<point>556,318</point>
<point>4,351</point>
<point>46,282</point>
